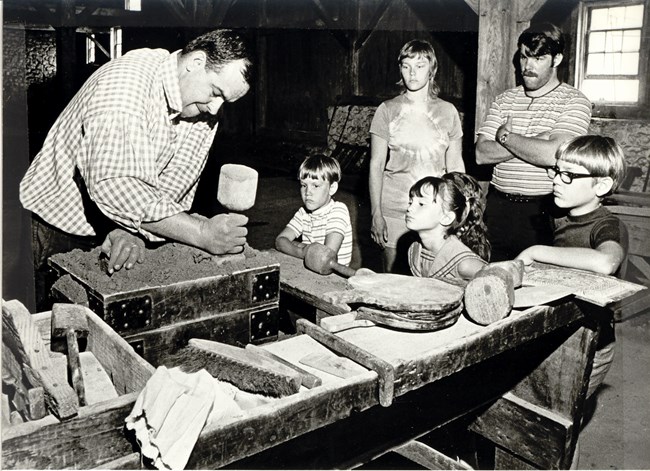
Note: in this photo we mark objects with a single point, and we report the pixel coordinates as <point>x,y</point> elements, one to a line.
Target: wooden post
<point>355,49</point>
<point>261,85</point>
<point>66,51</point>
<point>500,24</point>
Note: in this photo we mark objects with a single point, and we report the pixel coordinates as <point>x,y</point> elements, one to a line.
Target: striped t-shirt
<point>562,110</point>
<point>334,217</point>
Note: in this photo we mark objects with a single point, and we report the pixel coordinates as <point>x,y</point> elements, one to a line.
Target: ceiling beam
<point>331,24</point>
<point>372,24</point>
<point>219,12</point>
<point>473,4</point>
<point>528,8</point>
<point>177,7</point>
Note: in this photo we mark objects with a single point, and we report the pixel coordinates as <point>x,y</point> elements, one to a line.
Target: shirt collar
<point>171,86</point>
<point>323,209</point>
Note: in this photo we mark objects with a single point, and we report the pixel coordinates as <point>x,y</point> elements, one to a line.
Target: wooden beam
<point>46,15</point>
<point>220,11</point>
<point>500,24</point>
<point>473,4</point>
<point>529,431</point>
<point>372,24</point>
<point>178,9</point>
<point>85,14</point>
<point>99,46</point>
<point>527,9</point>
<point>331,24</point>
<point>428,457</point>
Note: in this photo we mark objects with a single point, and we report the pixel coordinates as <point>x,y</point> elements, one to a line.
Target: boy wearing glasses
<point>587,236</point>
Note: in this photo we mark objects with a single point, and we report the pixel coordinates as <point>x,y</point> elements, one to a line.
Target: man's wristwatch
<point>504,138</point>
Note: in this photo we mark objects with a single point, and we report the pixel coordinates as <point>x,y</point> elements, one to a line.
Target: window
<point>613,53</point>
<point>116,42</point>
<point>90,49</point>
<point>109,45</point>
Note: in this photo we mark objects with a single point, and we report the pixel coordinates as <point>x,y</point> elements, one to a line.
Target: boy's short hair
<point>320,166</point>
<point>601,155</point>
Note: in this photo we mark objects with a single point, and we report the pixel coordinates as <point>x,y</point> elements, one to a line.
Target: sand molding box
<point>175,284</point>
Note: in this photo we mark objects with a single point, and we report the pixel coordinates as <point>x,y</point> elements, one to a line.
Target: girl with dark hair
<point>447,215</point>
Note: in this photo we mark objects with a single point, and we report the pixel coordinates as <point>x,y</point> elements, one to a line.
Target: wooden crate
<point>95,435</point>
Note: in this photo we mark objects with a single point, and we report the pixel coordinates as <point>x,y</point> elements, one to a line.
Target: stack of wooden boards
<point>42,376</point>
<point>43,420</point>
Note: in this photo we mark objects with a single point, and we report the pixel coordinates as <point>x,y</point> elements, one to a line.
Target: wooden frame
<point>607,109</point>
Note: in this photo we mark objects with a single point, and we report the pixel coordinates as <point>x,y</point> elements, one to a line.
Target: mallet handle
<point>74,366</point>
<point>343,270</point>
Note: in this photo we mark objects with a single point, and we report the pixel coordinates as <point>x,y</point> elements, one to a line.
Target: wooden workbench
<point>521,381</point>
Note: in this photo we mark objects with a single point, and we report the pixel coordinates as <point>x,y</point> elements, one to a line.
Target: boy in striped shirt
<point>321,219</point>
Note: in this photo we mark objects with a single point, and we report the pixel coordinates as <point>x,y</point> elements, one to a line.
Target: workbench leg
<point>428,457</point>
<point>538,421</point>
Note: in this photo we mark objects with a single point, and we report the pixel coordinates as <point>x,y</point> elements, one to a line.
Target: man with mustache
<point>523,129</point>
<point>122,161</point>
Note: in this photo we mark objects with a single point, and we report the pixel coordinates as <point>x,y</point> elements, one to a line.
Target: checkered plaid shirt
<point>122,134</point>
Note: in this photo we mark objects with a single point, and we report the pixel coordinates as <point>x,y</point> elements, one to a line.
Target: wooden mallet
<point>70,321</point>
<point>321,259</point>
<point>237,187</point>
<point>489,297</point>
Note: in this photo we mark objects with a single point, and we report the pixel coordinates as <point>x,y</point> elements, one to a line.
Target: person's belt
<point>517,198</point>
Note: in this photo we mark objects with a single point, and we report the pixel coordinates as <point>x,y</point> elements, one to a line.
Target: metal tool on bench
<point>69,321</point>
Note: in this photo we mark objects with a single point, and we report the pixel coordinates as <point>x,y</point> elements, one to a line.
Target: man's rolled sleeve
<point>118,166</point>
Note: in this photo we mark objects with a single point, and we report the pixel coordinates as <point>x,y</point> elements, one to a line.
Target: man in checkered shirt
<point>123,160</point>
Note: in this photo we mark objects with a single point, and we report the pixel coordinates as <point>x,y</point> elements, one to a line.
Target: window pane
<point>614,41</point>
<point>595,64</point>
<point>629,63</point>
<point>616,17</point>
<point>632,40</point>
<point>609,64</point>
<point>599,18</point>
<point>612,91</point>
<point>597,42</point>
<point>634,16</point>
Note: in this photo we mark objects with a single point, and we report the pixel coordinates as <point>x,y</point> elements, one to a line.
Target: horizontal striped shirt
<point>562,110</point>
<point>121,134</point>
<point>314,227</point>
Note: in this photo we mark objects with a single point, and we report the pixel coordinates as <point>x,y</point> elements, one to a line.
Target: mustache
<point>529,74</point>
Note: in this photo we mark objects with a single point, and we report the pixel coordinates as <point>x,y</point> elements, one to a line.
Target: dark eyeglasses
<point>566,177</point>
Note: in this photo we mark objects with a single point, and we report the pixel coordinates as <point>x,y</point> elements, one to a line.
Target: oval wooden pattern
<point>404,293</point>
